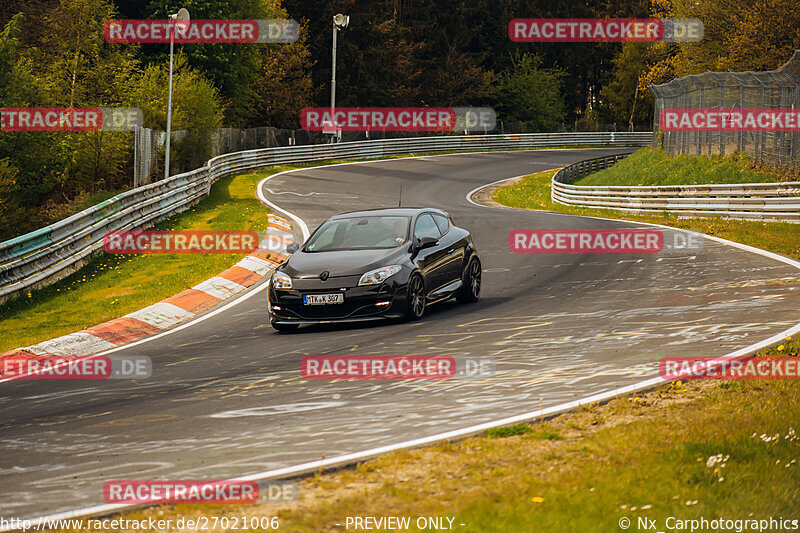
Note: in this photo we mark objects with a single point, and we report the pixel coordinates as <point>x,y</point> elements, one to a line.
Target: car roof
<point>392,211</point>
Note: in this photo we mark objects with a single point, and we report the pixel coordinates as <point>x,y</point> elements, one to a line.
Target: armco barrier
<point>51,253</point>
<point>746,201</point>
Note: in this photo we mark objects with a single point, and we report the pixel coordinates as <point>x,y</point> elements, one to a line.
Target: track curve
<point>226,398</point>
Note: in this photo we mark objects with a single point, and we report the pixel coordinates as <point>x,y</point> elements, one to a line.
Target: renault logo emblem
<point>324,275</point>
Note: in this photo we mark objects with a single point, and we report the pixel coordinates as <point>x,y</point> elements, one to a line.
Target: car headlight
<point>379,275</point>
<point>281,281</point>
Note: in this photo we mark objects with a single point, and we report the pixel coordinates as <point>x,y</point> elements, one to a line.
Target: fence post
<point>722,134</point>
<point>136,156</point>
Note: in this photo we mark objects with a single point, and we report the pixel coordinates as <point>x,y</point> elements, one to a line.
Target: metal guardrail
<point>51,253</point>
<point>746,201</point>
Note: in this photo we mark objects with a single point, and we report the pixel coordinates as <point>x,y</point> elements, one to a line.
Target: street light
<point>180,20</point>
<point>340,22</point>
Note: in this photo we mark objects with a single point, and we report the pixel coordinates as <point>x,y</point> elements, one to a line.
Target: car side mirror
<point>292,248</point>
<point>427,242</point>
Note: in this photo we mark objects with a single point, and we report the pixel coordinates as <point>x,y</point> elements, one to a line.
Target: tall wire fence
<point>191,150</point>
<point>773,89</point>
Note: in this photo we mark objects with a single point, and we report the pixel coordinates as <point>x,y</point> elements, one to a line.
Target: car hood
<point>343,263</point>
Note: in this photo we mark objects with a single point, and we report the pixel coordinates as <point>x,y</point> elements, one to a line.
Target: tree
<point>233,68</point>
<point>196,108</point>
<point>530,93</point>
<point>32,161</point>
<point>11,212</point>
<point>77,65</point>
<point>767,36</point>
<point>34,12</point>
<point>284,86</point>
<point>739,35</point>
<point>625,101</point>
<point>78,68</point>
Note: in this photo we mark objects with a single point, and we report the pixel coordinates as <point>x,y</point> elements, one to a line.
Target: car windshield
<point>359,233</point>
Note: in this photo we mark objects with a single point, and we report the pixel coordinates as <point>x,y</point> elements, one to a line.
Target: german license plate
<point>323,299</point>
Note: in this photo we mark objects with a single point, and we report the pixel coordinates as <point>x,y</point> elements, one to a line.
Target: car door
<point>454,250</point>
<point>432,261</point>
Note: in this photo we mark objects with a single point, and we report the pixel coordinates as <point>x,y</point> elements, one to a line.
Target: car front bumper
<point>361,303</point>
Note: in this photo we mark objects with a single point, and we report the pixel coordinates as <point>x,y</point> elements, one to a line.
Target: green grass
<point>508,431</point>
<point>533,192</point>
<point>547,435</point>
<point>114,285</point>
<point>521,429</point>
<point>653,167</point>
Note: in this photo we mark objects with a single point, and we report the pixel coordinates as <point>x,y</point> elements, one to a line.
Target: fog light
<point>276,307</point>
<point>387,302</point>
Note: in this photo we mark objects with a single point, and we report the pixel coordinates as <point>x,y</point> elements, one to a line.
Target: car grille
<point>331,284</point>
<point>358,302</point>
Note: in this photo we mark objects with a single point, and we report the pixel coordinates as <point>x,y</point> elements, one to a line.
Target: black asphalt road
<point>226,397</point>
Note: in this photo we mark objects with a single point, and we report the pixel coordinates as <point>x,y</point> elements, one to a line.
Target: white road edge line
<point>458,433</point>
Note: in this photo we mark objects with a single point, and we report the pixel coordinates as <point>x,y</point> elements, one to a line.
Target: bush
<point>196,108</point>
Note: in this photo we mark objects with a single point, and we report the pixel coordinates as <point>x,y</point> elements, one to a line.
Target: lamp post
<point>340,22</point>
<point>179,19</point>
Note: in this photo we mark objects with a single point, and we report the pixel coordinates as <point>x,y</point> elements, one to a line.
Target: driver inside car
<point>400,231</point>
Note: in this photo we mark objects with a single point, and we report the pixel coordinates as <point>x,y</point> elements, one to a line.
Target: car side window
<point>426,227</point>
<point>442,223</point>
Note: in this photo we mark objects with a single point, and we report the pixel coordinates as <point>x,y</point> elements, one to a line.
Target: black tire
<point>470,290</point>
<point>415,298</point>
<point>284,327</point>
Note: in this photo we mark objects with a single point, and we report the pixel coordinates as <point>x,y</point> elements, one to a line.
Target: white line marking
<point>255,264</point>
<point>74,344</point>
<point>260,194</point>
<point>310,193</point>
<point>478,188</point>
<point>219,287</point>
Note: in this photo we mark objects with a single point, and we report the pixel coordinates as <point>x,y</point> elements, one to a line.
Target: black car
<point>383,263</point>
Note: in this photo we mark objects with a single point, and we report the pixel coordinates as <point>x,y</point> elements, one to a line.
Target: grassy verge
<point>644,455</point>
<point>653,167</point>
<point>113,285</point>
<point>533,192</point>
